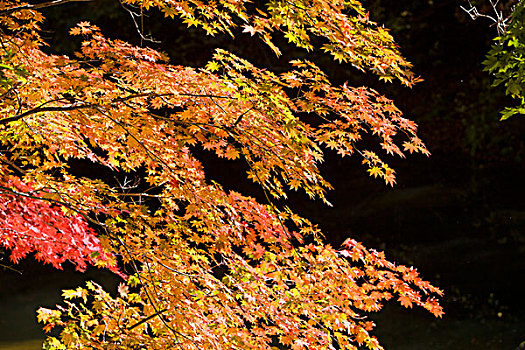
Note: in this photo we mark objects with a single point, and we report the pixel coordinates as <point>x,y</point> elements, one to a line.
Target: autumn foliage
<point>205,268</point>
<point>30,223</point>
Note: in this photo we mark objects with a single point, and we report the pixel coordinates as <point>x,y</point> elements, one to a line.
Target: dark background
<point>458,215</point>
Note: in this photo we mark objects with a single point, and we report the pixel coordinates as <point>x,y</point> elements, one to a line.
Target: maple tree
<point>205,268</point>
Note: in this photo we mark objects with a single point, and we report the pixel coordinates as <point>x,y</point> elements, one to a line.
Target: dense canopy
<point>204,268</point>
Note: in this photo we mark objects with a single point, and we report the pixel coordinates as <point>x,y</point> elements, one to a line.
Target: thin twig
<point>158,313</point>
<point>497,18</point>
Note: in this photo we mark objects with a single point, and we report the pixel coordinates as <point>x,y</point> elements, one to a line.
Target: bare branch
<point>139,27</point>
<point>499,20</point>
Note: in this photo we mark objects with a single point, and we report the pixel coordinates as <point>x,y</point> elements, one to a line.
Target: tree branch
<point>158,313</point>
<point>82,105</point>
<point>70,107</point>
<point>499,20</point>
<point>37,6</point>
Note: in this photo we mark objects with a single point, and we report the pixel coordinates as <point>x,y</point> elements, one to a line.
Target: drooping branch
<point>82,105</point>
<point>10,191</point>
<point>37,6</point>
<point>70,107</point>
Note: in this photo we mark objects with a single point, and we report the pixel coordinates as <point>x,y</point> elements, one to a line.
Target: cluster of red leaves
<point>31,224</point>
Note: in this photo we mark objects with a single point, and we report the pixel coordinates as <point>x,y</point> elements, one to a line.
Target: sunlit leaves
<point>32,221</point>
<point>349,34</point>
<point>209,268</point>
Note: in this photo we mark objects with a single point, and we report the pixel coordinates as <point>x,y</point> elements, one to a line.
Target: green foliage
<point>506,62</point>
<point>5,65</point>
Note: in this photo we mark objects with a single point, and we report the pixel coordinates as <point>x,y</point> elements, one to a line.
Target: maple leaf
<point>408,146</point>
<point>249,29</point>
<point>390,179</point>
<point>123,290</point>
<point>405,301</point>
<point>48,327</point>
<point>231,153</point>
<point>375,171</point>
